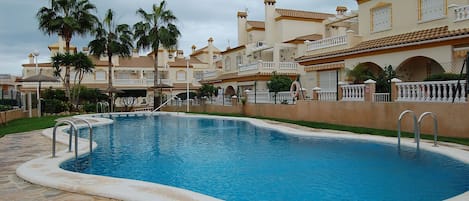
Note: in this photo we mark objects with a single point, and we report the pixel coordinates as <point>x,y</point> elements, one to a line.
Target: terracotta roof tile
<point>303,14</point>
<point>390,41</point>
<point>143,61</point>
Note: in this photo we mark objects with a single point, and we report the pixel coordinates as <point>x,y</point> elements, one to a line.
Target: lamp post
<point>36,54</point>
<point>187,83</point>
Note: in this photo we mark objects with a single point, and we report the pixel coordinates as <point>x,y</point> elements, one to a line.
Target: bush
<point>445,77</point>
<point>54,106</point>
<point>89,107</point>
<point>5,107</point>
<point>8,102</point>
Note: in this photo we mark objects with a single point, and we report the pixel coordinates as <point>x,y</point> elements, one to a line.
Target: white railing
<point>208,74</point>
<point>381,97</point>
<point>129,82</point>
<point>327,42</point>
<point>461,13</point>
<point>327,95</point>
<point>249,67</point>
<point>288,66</point>
<point>435,91</point>
<point>269,97</point>
<point>354,92</point>
<point>269,66</point>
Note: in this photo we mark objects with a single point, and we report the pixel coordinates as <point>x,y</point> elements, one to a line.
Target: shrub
<point>5,107</point>
<point>89,107</point>
<point>445,77</point>
<point>54,106</point>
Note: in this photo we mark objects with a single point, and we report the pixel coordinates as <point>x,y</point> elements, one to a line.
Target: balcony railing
<point>327,42</point>
<point>438,91</point>
<point>269,66</point>
<point>354,92</point>
<point>209,74</point>
<point>461,13</point>
<point>139,82</point>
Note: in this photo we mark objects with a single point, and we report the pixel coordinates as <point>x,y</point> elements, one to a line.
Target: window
<point>239,60</point>
<point>181,75</point>
<point>381,18</point>
<point>328,80</point>
<point>227,63</point>
<point>100,75</point>
<point>198,75</point>
<point>432,9</point>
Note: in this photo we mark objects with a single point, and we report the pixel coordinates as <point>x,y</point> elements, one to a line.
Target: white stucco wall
<point>289,29</point>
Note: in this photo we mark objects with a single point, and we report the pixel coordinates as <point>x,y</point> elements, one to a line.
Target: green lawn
<point>27,124</point>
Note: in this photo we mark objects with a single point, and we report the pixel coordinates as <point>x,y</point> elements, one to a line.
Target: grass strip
<point>28,124</point>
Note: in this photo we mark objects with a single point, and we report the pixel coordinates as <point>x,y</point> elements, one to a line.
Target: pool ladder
<point>73,129</point>
<point>417,126</point>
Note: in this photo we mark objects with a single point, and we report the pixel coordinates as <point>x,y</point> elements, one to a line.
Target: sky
<point>197,21</point>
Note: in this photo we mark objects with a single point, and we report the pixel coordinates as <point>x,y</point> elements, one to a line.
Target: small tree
<point>383,80</point>
<point>278,83</point>
<point>207,90</point>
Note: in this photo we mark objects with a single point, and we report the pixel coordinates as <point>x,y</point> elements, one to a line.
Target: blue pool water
<point>234,160</point>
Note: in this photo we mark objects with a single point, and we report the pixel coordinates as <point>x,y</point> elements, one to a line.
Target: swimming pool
<point>234,160</point>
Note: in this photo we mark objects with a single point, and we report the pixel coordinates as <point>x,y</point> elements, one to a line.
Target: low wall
<point>10,115</point>
<point>452,118</point>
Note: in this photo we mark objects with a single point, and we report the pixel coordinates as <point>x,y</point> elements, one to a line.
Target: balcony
<point>461,13</point>
<point>327,42</point>
<point>210,74</point>
<point>269,66</point>
<point>139,82</point>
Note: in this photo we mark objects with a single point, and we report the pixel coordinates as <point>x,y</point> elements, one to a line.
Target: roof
<point>204,50</point>
<point>256,24</point>
<point>301,39</point>
<point>303,14</point>
<point>142,61</point>
<point>184,86</point>
<point>234,49</point>
<point>180,62</point>
<point>406,39</point>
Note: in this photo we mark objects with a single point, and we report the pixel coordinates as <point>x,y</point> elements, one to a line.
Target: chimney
<point>193,48</point>
<point>86,50</point>
<point>242,33</point>
<point>135,53</point>
<point>180,54</point>
<point>341,10</point>
<point>210,52</point>
<point>269,21</point>
<point>31,58</point>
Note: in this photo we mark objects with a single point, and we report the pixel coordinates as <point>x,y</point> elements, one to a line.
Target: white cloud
<point>197,20</point>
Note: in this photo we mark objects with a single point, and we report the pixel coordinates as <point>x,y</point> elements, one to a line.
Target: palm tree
<point>82,64</point>
<point>156,29</point>
<point>112,40</point>
<point>67,18</point>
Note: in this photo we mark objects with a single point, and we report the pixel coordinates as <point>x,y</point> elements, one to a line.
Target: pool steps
<point>417,127</point>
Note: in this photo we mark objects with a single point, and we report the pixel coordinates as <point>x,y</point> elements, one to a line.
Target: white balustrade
<point>267,65</point>
<point>208,74</point>
<point>434,91</point>
<point>327,95</point>
<point>269,97</point>
<point>354,92</point>
<point>288,66</point>
<point>327,42</point>
<point>461,13</point>
<point>381,97</point>
<point>249,67</point>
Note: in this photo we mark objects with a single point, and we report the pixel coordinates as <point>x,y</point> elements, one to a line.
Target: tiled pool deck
<point>15,149</point>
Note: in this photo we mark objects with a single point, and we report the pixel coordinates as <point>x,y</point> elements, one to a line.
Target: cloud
<point>197,20</point>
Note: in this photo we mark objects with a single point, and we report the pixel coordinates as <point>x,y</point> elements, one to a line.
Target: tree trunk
<point>109,78</point>
<point>67,71</point>
<point>156,96</point>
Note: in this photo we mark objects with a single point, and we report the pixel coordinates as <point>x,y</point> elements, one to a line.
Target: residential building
<point>265,47</point>
<point>418,38</point>
<point>134,74</point>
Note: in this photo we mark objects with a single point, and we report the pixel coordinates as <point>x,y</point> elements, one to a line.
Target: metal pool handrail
<point>399,127</point>
<point>435,126</point>
<point>73,129</point>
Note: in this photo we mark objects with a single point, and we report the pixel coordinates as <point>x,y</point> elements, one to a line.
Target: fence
<point>435,91</point>
<point>283,97</point>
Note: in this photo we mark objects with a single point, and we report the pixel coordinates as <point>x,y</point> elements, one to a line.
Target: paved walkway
<point>16,149</point>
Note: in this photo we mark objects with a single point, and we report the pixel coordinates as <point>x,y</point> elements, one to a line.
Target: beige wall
<point>452,118</point>
<point>404,18</point>
<point>289,29</point>
<point>10,115</point>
